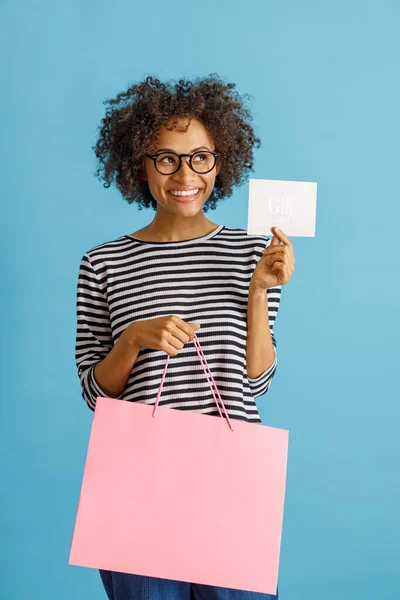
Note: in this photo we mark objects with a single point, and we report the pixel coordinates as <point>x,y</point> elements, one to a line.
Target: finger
<point>280,251</point>
<point>276,263</point>
<point>278,266</point>
<point>275,241</point>
<point>171,349</point>
<point>274,249</point>
<point>283,238</point>
<point>175,330</point>
<point>184,327</point>
<point>175,340</point>
<point>183,333</point>
<point>272,257</point>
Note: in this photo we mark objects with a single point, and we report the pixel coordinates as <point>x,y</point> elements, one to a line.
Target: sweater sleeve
<point>260,385</point>
<point>93,333</point>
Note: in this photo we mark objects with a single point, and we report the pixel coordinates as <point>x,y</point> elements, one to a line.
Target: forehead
<point>184,137</point>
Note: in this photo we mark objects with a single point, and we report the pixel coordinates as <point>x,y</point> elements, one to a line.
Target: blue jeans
<point>123,586</point>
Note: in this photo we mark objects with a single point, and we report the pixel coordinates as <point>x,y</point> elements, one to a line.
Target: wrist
<point>128,338</point>
<point>256,290</point>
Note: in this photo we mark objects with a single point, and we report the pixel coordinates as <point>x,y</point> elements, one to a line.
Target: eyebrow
<point>171,150</point>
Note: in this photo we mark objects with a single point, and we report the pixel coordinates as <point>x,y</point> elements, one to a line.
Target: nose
<point>184,172</point>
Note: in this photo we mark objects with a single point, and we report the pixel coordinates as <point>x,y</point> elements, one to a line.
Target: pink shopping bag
<point>182,495</point>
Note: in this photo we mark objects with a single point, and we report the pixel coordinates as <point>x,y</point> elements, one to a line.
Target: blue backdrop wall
<point>325,88</point>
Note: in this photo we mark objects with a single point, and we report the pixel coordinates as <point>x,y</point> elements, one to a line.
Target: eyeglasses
<point>167,163</point>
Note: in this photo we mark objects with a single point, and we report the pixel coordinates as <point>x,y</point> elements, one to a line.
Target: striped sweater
<point>203,280</point>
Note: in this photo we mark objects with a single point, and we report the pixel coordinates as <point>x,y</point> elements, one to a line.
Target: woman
<point>179,150</point>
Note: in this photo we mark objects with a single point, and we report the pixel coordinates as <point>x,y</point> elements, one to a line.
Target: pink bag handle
<point>201,356</point>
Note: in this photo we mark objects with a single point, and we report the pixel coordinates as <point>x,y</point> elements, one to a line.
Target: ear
<point>218,167</point>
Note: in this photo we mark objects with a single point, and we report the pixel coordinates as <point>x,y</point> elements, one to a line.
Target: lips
<point>184,199</point>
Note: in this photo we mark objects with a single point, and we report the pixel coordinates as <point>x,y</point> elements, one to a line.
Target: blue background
<point>325,88</point>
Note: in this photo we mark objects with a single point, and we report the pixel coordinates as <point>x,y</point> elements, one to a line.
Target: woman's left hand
<point>276,266</point>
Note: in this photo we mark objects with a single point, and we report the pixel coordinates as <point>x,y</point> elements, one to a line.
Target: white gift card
<point>289,205</point>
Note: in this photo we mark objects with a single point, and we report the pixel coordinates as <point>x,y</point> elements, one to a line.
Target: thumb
<point>195,325</point>
<point>275,240</point>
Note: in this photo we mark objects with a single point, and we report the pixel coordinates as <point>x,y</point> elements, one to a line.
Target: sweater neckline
<point>179,242</point>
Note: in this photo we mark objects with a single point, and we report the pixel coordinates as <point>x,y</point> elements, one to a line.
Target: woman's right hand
<point>169,333</point>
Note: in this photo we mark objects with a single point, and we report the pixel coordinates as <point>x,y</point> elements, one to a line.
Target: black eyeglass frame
<point>154,158</point>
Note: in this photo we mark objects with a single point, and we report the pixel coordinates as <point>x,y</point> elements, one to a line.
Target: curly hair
<point>131,124</point>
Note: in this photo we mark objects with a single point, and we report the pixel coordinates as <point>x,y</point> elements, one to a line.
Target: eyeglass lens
<point>202,162</point>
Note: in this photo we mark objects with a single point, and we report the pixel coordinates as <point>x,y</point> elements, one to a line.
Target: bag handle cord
<point>200,353</point>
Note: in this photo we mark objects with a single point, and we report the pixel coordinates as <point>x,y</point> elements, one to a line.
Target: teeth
<point>189,193</point>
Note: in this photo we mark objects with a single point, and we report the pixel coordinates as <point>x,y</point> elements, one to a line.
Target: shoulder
<point>240,236</point>
<point>108,249</point>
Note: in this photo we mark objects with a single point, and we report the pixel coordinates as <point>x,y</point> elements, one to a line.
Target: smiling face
<point>182,142</point>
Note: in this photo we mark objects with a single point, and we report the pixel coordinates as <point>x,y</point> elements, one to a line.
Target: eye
<point>200,155</point>
<point>167,159</point>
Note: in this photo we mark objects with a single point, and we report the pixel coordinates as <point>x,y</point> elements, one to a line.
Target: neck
<point>175,228</point>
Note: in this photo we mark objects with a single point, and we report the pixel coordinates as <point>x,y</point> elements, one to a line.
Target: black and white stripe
<point>205,281</point>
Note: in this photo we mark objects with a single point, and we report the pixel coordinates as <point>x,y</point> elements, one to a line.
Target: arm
<point>260,351</point>
<point>261,357</point>
<point>103,368</point>
<point>111,373</point>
